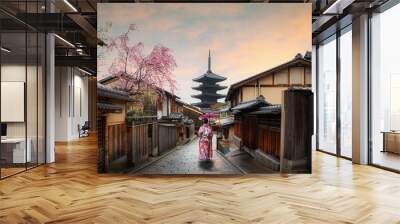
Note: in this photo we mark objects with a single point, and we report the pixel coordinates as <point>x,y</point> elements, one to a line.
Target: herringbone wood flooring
<point>70,191</point>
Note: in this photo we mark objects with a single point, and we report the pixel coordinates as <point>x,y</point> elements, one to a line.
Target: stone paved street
<point>185,160</point>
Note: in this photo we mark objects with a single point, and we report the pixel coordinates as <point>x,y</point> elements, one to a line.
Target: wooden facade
<point>167,137</point>
<point>126,145</point>
<point>238,127</point>
<point>116,141</point>
<point>184,132</point>
<point>126,140</point>
<point>113,138</point>
<point>278,135</point>
<point>143,140</point>
<point>269,140</point>
<point>297,130</point>
<point>259,131</point>
<point>271,83</point>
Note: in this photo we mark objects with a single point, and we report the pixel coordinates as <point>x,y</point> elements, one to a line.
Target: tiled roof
<point>168,93</point>
<point>274,109</point>
<point>108,106</point>
<point>109,92</point>
<point>295,89</point>
<point>175,116</point>
<point>107,80</point>
<point>186,120</point>
<point>250,105</point>
<point>227,122</point>
<point>223,110</point>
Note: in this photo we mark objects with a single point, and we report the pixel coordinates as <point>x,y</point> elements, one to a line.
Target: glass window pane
<point>13,86</point>
<point>23,90</point>
<point>327,96</point>
<point>385,80</point>
<point>31,97</point>
<point>346,94</point>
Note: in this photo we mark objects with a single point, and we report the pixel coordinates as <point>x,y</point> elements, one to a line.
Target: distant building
<point>166,103</point>
<point>271,83</point>
<point>208,88</point>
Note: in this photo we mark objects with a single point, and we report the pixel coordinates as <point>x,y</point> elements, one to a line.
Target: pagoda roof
<point>207,86</point>
<point>203,104</point>
<point>208,95</point>
<point>209,76</point>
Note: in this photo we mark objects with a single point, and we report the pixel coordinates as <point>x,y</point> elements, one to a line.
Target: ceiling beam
<point>86,27</point>
<point>77,61</point>
<point>49,22</point>
<point>337,7</point>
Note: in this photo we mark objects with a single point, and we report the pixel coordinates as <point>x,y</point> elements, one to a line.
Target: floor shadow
<point>206,165</point>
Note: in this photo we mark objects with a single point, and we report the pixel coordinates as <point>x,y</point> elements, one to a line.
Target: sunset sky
<point>244,39</point>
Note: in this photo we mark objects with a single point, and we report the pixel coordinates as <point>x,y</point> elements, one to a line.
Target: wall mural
<point>204,88</point>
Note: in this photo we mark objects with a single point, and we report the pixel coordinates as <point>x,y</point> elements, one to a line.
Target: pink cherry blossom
<point>137,71</point>
<point>208,116</point>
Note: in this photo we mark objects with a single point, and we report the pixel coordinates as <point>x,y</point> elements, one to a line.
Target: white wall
<point>71,103</point>
<point>61,103</point>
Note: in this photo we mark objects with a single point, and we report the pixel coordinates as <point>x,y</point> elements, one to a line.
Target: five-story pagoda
<point>208,87</point>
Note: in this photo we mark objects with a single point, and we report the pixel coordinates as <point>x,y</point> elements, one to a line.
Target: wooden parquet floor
<point>70,191</point>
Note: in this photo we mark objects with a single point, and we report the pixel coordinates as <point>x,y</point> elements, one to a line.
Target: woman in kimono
<point>205,142</point>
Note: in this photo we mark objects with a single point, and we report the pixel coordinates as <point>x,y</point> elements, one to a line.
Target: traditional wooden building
<point>208,88</point>
<point>267,132</point>
<point>190,111</point>
<point>111,122</point>
<point>166,103</point>
<point>112,103</point>
<point>271,83</point>
<point>226,123</point>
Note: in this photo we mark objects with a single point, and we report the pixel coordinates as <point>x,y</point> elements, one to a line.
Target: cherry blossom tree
<point>135,71</point>
<point>209,116</point>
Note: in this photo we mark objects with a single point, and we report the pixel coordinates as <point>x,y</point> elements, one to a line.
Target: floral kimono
<point>205,142</point>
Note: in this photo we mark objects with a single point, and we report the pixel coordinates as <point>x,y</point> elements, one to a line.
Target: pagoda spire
<point>209,88</point>
<point>209,60</point>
